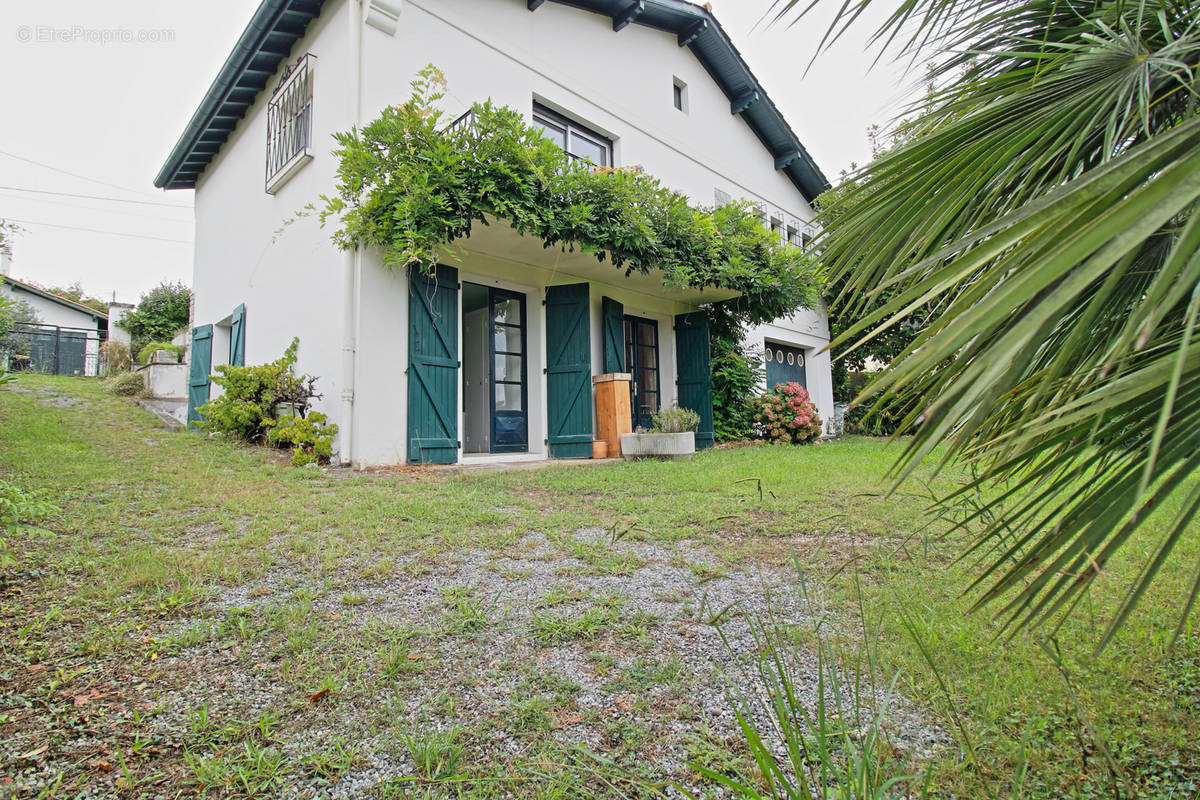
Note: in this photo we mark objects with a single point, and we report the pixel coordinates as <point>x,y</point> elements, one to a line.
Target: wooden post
<point>613,416</point>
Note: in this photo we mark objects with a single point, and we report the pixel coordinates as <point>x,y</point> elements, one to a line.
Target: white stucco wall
<point>290,277</point>
<point>294,282</point>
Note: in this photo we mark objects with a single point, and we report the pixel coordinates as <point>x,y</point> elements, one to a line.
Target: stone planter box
<point>673,446</point>
<point>164,357</point>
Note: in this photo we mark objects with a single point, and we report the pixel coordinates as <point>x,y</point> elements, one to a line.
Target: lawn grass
<point>178,560</point>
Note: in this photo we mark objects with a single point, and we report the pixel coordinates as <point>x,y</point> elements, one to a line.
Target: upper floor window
<point>289,124</point>
<point>679,95</point>
<point>574,138</point>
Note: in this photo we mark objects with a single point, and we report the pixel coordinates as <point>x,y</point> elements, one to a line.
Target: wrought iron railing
<point>289,122</point>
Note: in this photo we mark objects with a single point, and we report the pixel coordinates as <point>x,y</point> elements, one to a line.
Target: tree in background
<point>75,293</point>
<point>1046,207</point>
<point>160,314</point>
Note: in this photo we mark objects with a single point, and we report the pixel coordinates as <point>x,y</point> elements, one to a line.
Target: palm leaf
<point>1042,213</point>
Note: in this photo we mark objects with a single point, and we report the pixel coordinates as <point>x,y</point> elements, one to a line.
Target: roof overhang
<point>278,24</point>
<point>273,30</point>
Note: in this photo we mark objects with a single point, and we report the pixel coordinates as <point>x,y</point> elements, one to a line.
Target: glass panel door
<point>641,359</point>
<point>510,414</point>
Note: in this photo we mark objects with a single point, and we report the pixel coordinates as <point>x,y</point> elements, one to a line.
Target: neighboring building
<point>66,339</point>
<point>512,336</point>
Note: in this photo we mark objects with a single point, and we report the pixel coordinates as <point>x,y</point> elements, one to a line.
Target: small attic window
<point>289,124</point>
<point>679,95</point>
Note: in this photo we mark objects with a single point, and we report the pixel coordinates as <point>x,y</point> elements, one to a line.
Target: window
<point>679,95</point>
<point>289,124</point>
<point>793,235</point>
<point>575,139</point>
<point>760,212</point>
<point>777,227</point>
<point>806,238</point>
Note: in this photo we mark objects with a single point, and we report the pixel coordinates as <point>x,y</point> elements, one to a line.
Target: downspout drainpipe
<point>353,282</point>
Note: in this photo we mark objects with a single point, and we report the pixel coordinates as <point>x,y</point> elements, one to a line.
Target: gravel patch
<point>489,656</point>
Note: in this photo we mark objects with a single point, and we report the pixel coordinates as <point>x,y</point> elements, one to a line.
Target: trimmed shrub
<point>147,352</point>
<point>127,384</point>
<point>787,415</point>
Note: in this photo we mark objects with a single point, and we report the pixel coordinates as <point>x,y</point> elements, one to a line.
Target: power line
<point>124,212</point>
<point>72,174</point>
<point>97,230</point>
<point>98,197</point>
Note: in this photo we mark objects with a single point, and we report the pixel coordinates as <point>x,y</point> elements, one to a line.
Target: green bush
<point>246,408</point>
<point>674,420</point>
<point>311,437</point>
<point>127,384</point>
<point>147,352</point>
<point>736,376</point>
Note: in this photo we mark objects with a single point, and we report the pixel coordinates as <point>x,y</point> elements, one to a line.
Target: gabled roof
<point>278,24</point>
<point>71,304</point>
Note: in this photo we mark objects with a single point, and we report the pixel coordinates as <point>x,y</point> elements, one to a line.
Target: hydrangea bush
<point>787,415</point>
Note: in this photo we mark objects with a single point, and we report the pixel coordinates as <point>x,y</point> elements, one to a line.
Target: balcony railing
<point>289,124</point>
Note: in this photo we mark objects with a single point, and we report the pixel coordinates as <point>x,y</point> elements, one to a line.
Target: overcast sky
<point>86,116</point>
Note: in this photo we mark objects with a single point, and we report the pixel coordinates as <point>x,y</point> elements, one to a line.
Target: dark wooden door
<point>433,366</point>
<point>199,371</point>
<point>569,371</point>
<point>694,368</point>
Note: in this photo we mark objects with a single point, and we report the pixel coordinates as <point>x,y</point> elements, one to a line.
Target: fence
<point>53,349</point>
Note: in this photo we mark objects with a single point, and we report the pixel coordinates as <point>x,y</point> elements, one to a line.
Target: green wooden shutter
<point>614,335</point>
<point>198,371</point>
<point>433,366</point>
<point>569,371</point>
<point>694,372</point>
<point>237,337</point>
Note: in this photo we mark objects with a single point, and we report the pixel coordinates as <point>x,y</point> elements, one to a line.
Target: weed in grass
<point>561,594</point>
<point>529,716</point>
<point>463,612</point>
<point>834,744</point>
<point>707,572</point>
<point>435,754</point>
<point>557,628</point>
<point>398,657</point>
<point>334,761</point>
<point>645,674</point>
<point>253,770</point>
<point>355,599</point>
<point>639,624</point>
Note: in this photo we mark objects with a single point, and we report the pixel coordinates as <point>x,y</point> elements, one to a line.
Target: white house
<point>66,339</point>
<point>495,355</point>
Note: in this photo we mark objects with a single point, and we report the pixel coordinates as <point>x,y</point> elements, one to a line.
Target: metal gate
<point>52,349</point>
